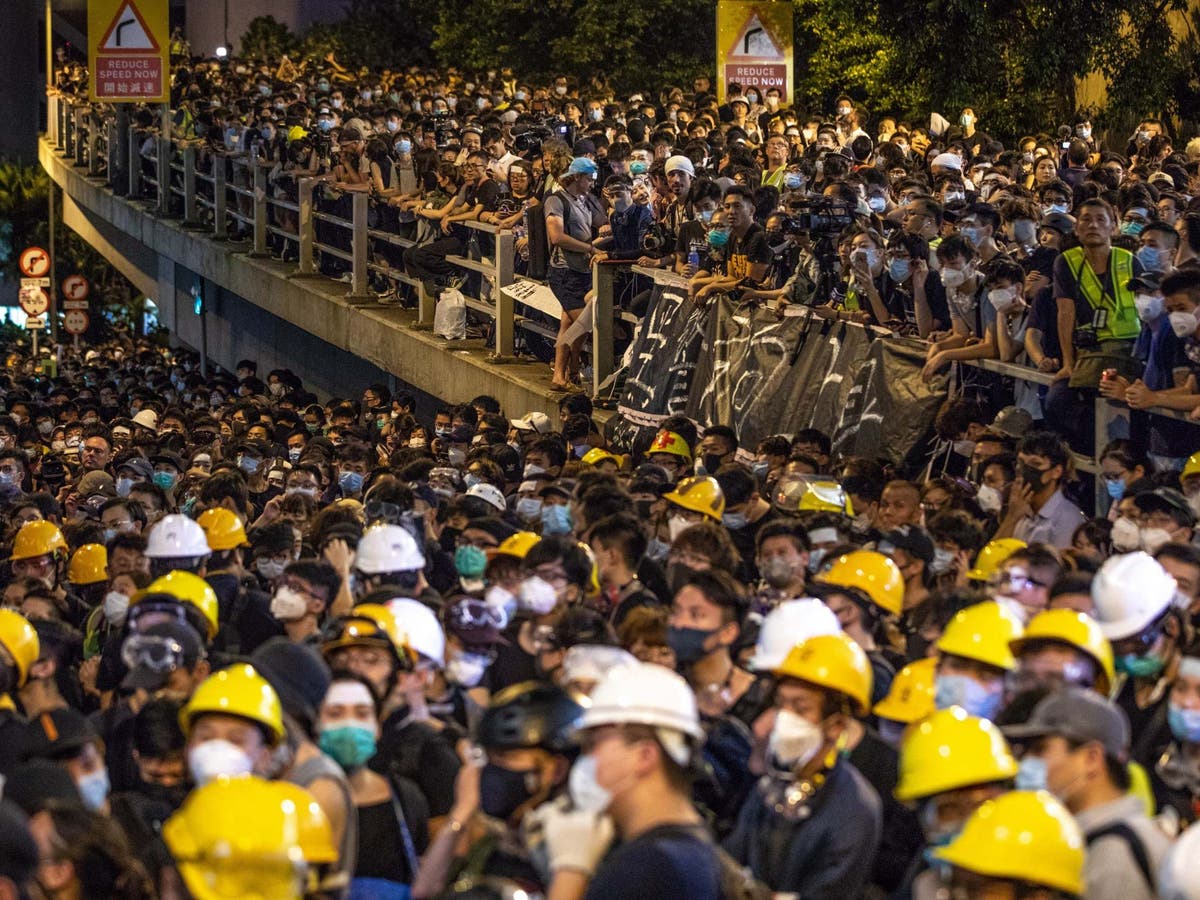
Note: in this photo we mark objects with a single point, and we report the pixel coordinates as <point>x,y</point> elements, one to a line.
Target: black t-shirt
<point>878,762</point>
<point>898,299</point>
<point>1067,285</point>
<point>667,861</point>
<point>744,252</point>
<point>416,751</point>
<point>512,664</point>
<point>1043,317</point>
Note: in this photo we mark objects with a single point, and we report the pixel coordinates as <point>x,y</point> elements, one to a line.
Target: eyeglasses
<point>1017,579</point>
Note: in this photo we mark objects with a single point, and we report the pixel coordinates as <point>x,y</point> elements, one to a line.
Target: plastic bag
<point>450,317</point>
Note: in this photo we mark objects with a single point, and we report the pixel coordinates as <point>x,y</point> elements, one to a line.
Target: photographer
<point>679,173</point>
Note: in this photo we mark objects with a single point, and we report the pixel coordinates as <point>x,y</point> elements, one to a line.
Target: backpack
<point>1136,848</point>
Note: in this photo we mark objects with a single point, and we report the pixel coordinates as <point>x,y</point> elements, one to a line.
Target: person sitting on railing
<point>747,254</point>
<point>1004,283</point>
<point>970,314</point>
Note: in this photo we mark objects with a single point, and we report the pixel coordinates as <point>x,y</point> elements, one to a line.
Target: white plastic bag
<point>450,316</point>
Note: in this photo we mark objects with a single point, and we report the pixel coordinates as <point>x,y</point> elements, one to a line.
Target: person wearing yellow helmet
<point>1062,647</point>
<point>19,652</point>
<point>1022,581</point>
<point>671,451</point>
<point>232,723</point>
<point>695,499</point>
<point>974,659</point>
<point>39,551</point>
<point>812,826</point>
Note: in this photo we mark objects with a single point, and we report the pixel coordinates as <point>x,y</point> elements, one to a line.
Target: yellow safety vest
<point>1122,322</point>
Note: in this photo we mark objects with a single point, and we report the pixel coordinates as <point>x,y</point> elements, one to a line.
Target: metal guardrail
<point>243,208</point>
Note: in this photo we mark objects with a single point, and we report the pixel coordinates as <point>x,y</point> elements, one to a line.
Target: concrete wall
<point>258,309</point>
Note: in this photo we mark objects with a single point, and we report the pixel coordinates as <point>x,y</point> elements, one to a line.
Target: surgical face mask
<point>761,468</point>
<point>1115,487</point>
<point>1152,539</point>
<point>350,482</point>
<point>288,605</point>
<point>1031,774</point>
<point>1133,229</point>
<point>1184,324</point>
<point>941,561</point>
<point>531,470</point>
<point>248,464</point>
<point>212,759</point>
<point>469,561</point>
<point>657,550</point>
<point>776,571</point>
<point>116,606</point>
<point>689,643</point>
<point>350,743</point>
<point>1054,208</point>
<point>595,114</point>
<point>877,204</point>
<point>989,499</point>
<point>467,669</point>
<point>1025,232</point>
<point>586,793</point>
<point>676,525</point>
<point>971,234</point>
<point>899,270</point>
<point>794,741</point>
<point>536,595</point>
<point>793,181</point>
<point>294,453</point>
<point>1125,535</point>
<point>954,196</point>
<point>529,508</point>
<point>165,480</point>
<point>816,556</point>
<point>270,569</point>
<point>93,789</point>
<point>456,456</point>
<point>556,519</point>
<point>953,278</point>
<point>718,238</point>
<point>44,428</point>
<point>734,521</point>
<point>325,124</point>
<point>404,146</point>
<point>1139,666</point>
<point>1184,723</point>
<point>124,486</point>
<point>1153,259</point>
<point>1149,306</point>
<point>962,690</point>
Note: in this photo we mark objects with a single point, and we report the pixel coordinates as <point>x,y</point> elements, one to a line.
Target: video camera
<point>818,215</point>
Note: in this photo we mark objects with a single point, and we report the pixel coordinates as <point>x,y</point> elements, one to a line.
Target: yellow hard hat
<point>316,834</point>
<point>222,529</point>
<point>236,691</point>
<point>1191,467</point>
<point>517,545</point>
<point>871,573</point>
<point>794,492</point>
<point>88,565</point>
<point>670,442</point>
<point>1023,836</point>
<point>20,640</point>
<point>597,455</point>
<point>992,557</point>
<point>189,588</point>
<point>295,133</point>
<point>1077,629</point>
<point>396,631</point>
<point>910,696</point>
<point>238,838</point>
<point>982,632</point>
<point>38,538</point>
<point>699,493</point>
<point>831,661</point>
<point>951,750</point>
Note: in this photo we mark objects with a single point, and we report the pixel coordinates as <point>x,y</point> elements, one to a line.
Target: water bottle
<point>694,257</point>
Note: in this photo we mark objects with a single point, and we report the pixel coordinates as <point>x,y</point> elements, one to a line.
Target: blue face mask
<point>93,789</point>
<point>718,237</point>
<point>1132,228</point>
<point>964,691</point>
<point>688,643</point>
<point>1184,723</point>
<point>404,146</point>
<point>165,480</point>
<point>1116,487</point>
<point>1148,666</point>
<point>325,124</point>
<point>470,561</point>
<point>294,453</point>
<point>761,468</point>
<point>350,746</point>
<point>899,270</point>
<point>556,520</point>
<point>1031,774</point>
<point>350,482</point>
<point>793,181</point>
<point>706,215</point>
<point>1152,259</point>
<point>971,234</point>
<point>637,167</point>
<point>734,521</point>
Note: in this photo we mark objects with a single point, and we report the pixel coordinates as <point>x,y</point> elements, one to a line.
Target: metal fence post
<point>114,151</point>
<point>260,209</point>
<point>506,324</point>
<point>135,165</point>
<point>304,226</point>
<point>426,306</point>
<point>1108,417</point>
<point>220,226</point>
<point>93,128</point>
<point>358,246</point>
<point>52,117</point>
<point>63,129</point>
<point>189,184</point>
<point>603,279</point>
<point>81,126</point>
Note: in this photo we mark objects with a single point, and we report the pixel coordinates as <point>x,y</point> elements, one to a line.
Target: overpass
<point>337,337</point>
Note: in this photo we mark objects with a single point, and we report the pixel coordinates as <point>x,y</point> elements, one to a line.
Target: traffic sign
<point>34,262</point>
<point>73,304</point>
<point>76,287</point>
<point>127,50</point>
<point>33,299</point>
<point>35,323</point>
<point>76,322</point>
<point>754,45</point>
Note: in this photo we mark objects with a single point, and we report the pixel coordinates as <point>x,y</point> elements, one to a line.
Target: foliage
<point>266,38</point>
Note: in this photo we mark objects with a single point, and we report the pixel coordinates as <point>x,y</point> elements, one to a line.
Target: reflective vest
<point>1121,322</point>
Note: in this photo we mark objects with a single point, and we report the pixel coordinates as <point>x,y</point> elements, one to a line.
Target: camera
<point>818,215</point>
<point>656,240</point>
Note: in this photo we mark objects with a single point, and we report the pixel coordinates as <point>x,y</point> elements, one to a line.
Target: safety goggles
<point>158,653</point>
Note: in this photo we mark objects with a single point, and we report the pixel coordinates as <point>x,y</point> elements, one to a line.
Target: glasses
<point>1015,578</point>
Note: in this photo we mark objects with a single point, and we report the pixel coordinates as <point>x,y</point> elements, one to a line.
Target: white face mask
<point>586,793</point>
<point>1152,539</point>
<point>270,569</point>
<point>537,596</point>
<point>989,499</point>
<point>288,605</point>
<point>794,740</point>
<point>1184,324</point>
<point>1125,536</point>
<point>676,525</point>
<point>1149,306</point>
<point>212,759</point>
<point>116,605</point>
<point>466,669</point>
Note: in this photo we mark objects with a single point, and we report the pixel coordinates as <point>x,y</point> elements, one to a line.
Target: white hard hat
<point>593,662</point>
<point>489,494</point>
<point>425,634</point>
<point>1179,874</point>
<point>147,418</point>
<point>790,623</point>
<point>645,694</point>
<point>1130,592</point>
<point>176,536</point>
<point>388,548</point>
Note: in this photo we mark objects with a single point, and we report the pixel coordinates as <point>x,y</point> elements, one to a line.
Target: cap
<point>1164,499</point>
<point>534,421</point>
<point>1060,222</point>
<point>679,163</point>
<point>914,541</point>
<point>170,458</point>
<point>147,418</point>
<point>581,165</point>
<point>583,147</point>
<point>96,482</point>
<point>557,488</point>
<point>139,466</point>
<point>1079,715</point>
<point>1012,421</point>
<point>947,161</point>
<point>1147,283</point>
<point>493,525</point>
<point>297,673</point>
<point>57,734</point>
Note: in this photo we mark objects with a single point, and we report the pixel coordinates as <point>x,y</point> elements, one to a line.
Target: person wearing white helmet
<point>176,543</point>
<point>641,738</point>
<point>1136,604</point>
<point>388,555</point>
<point>1179,874</point>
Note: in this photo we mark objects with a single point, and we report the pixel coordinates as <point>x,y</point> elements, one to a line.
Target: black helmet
<point>531,714</point>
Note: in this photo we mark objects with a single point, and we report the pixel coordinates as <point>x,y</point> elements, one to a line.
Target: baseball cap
<point>679,163</point>
<point>1146,283</point>
<point>534,421</point>
<point>1079,715</point>
<point>581,165</point>
<point>914,541</point>
<point>1164,499</point>
<point>96,482</point>
<point>158,650</point>
<point>138,466</point>
<point>1060,222</point>
<point>170,458</point>
<point>57,734</point>
<point>1012,421</point>
<point>584,146</point>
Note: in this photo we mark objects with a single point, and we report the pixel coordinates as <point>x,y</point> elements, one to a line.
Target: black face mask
<point>449,539</point>
<point>712,462</point>
<point>1031,476</point>
<point>502,791</point>
<point>677,574</point>
<point>170,796</point>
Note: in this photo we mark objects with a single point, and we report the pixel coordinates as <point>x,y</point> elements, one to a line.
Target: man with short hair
<point>1037,508</point>
<point>748,255</point>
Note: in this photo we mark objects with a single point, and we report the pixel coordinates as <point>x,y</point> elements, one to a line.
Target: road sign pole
<point>35,347</point>
<point>50,311</point>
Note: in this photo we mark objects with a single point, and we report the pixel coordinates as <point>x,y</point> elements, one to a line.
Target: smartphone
<point>1066,145</point>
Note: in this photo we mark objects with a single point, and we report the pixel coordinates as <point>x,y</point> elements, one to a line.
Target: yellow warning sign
<point>754,46</point>
<point>127,51</point>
